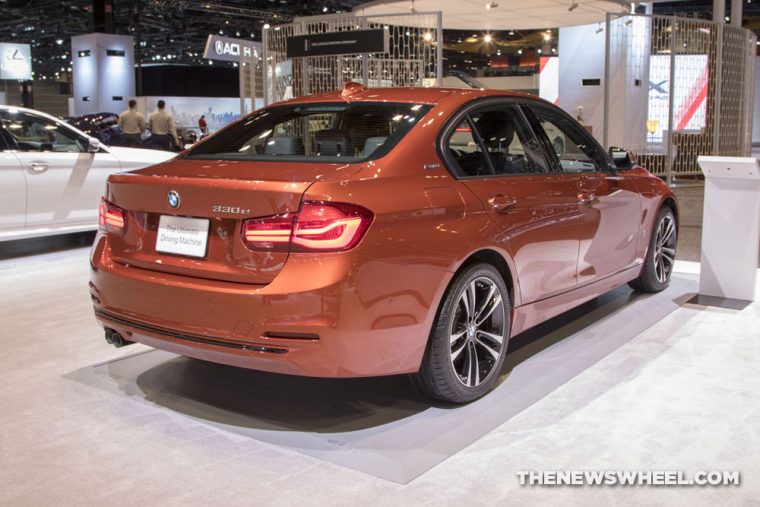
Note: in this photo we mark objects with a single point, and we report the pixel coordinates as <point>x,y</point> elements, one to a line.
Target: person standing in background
<point>132,123</point>
<point>162,126</point>
<point>203,125</point>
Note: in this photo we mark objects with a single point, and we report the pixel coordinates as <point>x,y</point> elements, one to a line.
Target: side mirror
<point>622,158</point>
<point>93,145</point>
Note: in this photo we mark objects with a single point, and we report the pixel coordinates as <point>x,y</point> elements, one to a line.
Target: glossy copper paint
<point>367,311</point>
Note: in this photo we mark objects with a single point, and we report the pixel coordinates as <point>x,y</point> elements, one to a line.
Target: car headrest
<point>284,145</point>
<point>334,143</point>
<point>496,129</point>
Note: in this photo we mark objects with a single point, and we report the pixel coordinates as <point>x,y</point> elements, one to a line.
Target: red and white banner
<point>690,102</point>
<point>548,79</point>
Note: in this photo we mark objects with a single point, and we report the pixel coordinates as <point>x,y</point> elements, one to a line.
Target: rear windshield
<point>319,132</point>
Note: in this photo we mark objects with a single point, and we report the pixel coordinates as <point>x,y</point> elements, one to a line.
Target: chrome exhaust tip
<point>115,339</point>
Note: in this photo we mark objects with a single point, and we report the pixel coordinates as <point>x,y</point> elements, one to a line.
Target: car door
<point>12,186</point>
<point>609,206</point>
<point>495,154</point>
<point>64,181</point>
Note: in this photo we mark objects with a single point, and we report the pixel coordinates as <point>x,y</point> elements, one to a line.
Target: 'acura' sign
<point>229,50</point>
<point>338,43</point>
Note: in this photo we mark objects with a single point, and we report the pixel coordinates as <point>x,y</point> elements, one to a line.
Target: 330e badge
<point>234,210</point>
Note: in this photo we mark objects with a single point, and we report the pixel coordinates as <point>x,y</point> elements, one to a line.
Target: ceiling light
<point>492,5</point>
<point>573,6</point>
<point>487,38</point>
<point>59,41</point>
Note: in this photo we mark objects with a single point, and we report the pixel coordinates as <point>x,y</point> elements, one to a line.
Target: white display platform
<point>379,425</point>
<point>730,227</point>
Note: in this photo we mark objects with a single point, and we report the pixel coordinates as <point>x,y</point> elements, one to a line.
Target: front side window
<point>576,152</point>
<point>319,132</point>
<point>35,134</point>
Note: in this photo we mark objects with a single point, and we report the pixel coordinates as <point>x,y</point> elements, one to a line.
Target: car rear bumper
<point>330,315</point>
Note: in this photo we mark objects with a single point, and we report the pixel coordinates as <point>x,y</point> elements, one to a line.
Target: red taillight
<point>111,218</point>
<point>329,227</point>
<point>317,227</point>
<point>271,233</point>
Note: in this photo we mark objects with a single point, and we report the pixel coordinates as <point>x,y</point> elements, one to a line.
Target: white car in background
<point>52,175</point>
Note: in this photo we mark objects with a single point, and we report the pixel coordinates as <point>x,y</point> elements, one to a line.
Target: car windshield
<point>318,132</point>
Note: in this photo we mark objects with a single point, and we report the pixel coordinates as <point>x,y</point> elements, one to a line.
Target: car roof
<point>415,95</point>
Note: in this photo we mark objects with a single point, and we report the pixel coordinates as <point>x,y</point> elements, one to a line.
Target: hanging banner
<point>228,49</point>
<point>338,43</point>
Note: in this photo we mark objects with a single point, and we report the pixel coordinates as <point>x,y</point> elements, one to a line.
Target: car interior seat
<point>284,145</point>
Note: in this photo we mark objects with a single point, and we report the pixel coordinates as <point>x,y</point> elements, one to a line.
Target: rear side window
<point>511,146</point>
<point>467,151</point>
<point>320,132</point>
<point>494,140</point>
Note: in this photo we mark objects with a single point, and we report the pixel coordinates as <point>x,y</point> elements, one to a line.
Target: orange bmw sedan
<point>376,232</point>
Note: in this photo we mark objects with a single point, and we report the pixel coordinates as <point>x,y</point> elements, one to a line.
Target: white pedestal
<point>730,227</point>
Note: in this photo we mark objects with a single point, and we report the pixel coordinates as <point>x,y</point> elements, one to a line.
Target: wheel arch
<point>497,260</point>
<point>671,203</point>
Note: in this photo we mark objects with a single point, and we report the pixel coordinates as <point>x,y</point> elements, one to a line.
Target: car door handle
<point>38,167</point>
<point>501,202</point>
<point>586,197</point>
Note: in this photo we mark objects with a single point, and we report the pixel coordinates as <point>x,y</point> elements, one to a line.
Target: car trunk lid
<point>222,192</point>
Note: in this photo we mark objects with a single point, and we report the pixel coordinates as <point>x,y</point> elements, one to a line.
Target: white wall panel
<point>581,50</point>
<point>101,77</point>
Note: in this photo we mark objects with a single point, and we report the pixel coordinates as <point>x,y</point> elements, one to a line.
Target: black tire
<point>661,254</point>
<point>474,369</point>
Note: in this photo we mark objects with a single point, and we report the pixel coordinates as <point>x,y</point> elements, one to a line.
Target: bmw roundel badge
<point>173,198</point>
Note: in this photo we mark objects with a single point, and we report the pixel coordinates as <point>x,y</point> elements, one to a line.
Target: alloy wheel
<point>477,331</point>
<point>665,248</point>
